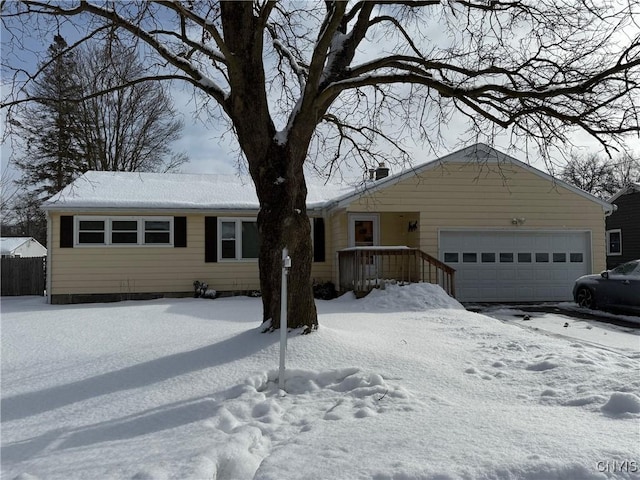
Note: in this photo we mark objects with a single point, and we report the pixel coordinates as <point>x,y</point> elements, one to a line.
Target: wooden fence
<point>23,276</point>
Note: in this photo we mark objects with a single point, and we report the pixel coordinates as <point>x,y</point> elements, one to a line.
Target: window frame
<point>110,229</point>
<point>238,239</point>
<point>77,231</point>
<point>142,230</point>
<point>608,242</point>
<point>108,240</point>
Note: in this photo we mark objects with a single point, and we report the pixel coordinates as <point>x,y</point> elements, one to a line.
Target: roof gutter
<point>609,211</point>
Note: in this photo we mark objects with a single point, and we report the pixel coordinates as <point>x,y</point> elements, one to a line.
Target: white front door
<point>364,231</point>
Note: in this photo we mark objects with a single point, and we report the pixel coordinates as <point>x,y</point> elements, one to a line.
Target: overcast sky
<point>211,150</point>
<point>209,153</point>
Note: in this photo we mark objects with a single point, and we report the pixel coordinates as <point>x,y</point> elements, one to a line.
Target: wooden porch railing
<point>362,269</point>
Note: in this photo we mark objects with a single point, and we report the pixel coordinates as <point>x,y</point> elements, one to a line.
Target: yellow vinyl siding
<point>394,229</point>
<point>457,195</point>
<point>148,269</point>
<point>464,195</point>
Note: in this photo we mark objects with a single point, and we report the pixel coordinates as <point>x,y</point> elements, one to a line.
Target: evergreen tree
<point>50,125</point>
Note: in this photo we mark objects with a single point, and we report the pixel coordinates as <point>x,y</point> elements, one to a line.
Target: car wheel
<point>585,298</point>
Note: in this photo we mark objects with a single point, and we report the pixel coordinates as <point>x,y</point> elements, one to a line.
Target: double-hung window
<point>614,242</point>
<point>124,231</point>
<point>91,231</point>
<point>238,239</point>
<point>157,232</point>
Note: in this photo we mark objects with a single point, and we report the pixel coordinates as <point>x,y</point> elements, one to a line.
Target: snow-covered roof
<point>631,188</point>
<point>9,244</point>
<point>161,191</point>
<point>167,191</point>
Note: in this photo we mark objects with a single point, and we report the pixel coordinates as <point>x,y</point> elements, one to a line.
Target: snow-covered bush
<point>202,290</point>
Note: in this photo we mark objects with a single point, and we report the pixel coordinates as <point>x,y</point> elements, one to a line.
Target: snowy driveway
<point>568,320</point>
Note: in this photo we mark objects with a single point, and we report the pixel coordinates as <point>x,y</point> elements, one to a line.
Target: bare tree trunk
<point>283,221</point>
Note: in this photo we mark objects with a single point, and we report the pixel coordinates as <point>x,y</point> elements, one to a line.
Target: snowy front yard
<point>403,384</point>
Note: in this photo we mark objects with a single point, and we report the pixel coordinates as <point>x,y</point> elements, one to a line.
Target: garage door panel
<point>506,275</point>
<point>519,265</point>
<point>525,273</point>
<point>541,275</point>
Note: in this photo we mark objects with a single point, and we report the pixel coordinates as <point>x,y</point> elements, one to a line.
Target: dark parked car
<point>612,289</point>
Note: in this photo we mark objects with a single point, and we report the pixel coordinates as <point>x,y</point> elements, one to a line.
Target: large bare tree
<point>354,78</point>
<point>129,129</point>
<point>599,175</point>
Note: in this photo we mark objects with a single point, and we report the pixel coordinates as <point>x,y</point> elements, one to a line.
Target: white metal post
<point>286,264</point>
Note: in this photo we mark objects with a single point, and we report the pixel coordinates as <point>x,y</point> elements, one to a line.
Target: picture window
<point>124,231</point>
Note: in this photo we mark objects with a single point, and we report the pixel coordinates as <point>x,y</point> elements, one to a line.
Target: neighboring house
<point>623,226</point>
<point>512,232</point>
<point>21,247</point>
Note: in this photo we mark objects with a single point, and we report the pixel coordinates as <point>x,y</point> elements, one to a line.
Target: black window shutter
<point>179,232</point>
<point>66,231</point>
<point>210,239</point>
<point>318,240</point>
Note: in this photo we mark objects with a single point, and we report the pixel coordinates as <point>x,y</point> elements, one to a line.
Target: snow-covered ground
<point>403,384</point>
<point>587,330</point>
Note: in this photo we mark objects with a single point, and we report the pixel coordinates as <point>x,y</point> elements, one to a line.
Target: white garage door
<point>515,266</point>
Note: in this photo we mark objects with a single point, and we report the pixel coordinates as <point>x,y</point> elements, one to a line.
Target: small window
<point>469,257</point>
<point>524,258</point>
<point>250,240</point>
<point>576,257</point>
<point>488,257</point>
<point>450,257</point>
<point>228,237</point>
<point>91,232</point>
<point>542,258</point>
<point>506,257</point>
<point>559,258</point>
<point>614,242</point>
<point>124,231</point>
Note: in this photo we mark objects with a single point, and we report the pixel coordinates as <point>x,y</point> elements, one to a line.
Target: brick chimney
<point>382,171</point>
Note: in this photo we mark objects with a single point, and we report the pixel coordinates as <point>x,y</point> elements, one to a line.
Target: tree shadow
<point>234,348</point>
<point>150,421</point>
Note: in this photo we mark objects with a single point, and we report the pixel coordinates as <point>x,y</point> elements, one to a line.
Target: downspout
<point>609,211</point>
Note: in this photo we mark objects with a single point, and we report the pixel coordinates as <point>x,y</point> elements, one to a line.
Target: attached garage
<point>515,265</point>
